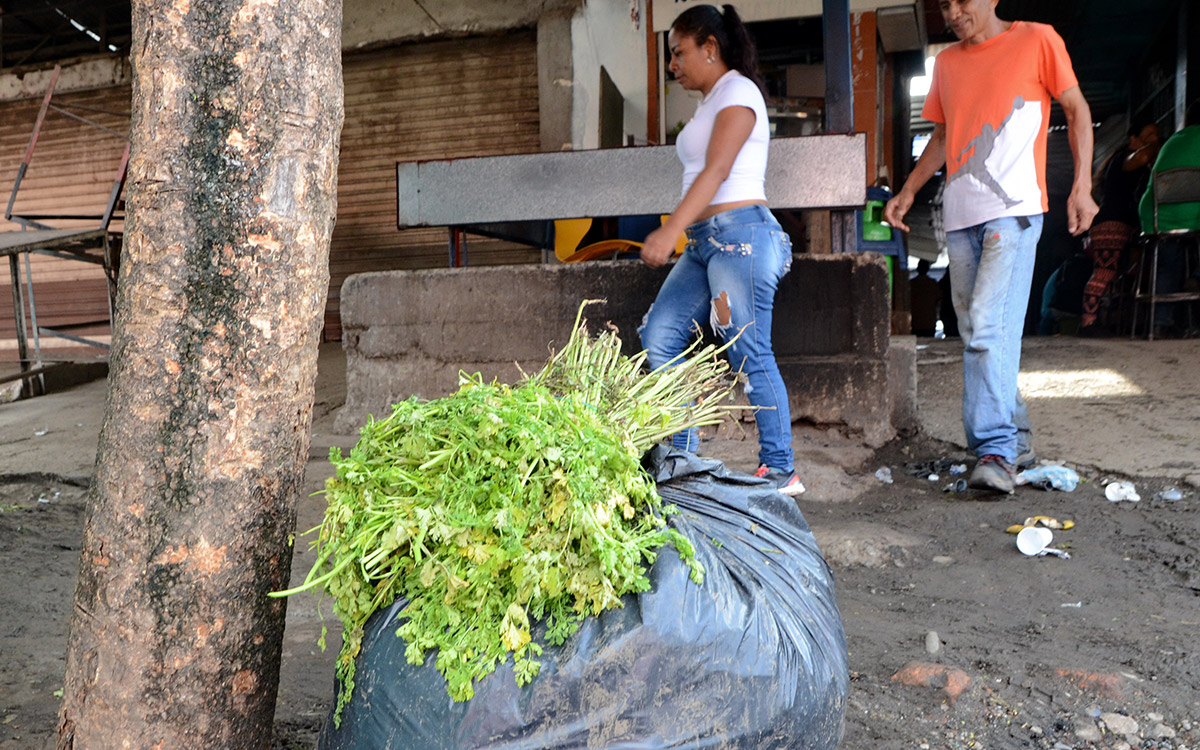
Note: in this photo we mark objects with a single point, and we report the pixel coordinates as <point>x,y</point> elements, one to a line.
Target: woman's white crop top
<point>745,181</point>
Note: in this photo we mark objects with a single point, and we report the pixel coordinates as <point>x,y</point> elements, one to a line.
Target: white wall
<point>609,33</point>
<point>679,105</point>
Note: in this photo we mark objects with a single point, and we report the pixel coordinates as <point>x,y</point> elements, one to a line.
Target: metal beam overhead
<point>810,172</point>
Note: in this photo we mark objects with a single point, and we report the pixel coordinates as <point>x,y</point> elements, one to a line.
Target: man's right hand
<point>896,208</point>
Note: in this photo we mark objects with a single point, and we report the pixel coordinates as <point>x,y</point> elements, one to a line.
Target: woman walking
<point>736,251</point>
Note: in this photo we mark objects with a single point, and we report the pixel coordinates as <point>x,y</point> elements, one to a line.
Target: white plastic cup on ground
<point>1118,491</point>
<point>1031,540</point>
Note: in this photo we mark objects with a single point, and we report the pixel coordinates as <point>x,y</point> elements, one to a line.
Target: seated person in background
<point>1048,322</point>
<point>1067,303</point>
<point>925,295</point>
<point>1062,297</point>
<point>1122,180</point>
<point>1180,150</point>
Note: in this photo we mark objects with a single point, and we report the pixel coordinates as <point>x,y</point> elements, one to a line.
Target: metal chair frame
<point>1171,186</point>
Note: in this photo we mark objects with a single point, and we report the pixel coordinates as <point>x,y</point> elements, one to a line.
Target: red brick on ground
<point>951,680</point>
<point>1103,683</point>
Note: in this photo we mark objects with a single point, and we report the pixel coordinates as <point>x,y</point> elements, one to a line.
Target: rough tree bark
<point>237,110</point>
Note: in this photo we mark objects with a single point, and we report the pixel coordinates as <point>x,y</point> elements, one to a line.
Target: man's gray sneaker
<point>1026,459</point>
<point>992,473</point>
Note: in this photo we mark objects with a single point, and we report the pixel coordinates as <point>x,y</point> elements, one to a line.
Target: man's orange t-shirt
<point>994,98</point>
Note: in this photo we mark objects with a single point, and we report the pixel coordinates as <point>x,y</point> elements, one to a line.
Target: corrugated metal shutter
<point>429,100</point>
<point>72,172</point>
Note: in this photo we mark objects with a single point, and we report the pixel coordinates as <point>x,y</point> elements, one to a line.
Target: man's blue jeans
<point>728,277</point>
<point>991,270</point>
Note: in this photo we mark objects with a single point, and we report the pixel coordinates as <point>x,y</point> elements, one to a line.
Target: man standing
<point>990,103</point>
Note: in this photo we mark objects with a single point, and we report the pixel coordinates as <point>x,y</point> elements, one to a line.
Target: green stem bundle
<point>499,507</point>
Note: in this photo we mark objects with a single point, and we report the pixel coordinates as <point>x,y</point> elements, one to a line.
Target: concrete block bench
<point>410,332</point>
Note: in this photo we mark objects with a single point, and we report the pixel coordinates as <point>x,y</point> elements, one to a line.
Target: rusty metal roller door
<point>71,172</point>
<point>426,100</point>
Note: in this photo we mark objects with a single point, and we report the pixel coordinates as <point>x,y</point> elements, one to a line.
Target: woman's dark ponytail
<point>733,38</point>
<point>743,56</point>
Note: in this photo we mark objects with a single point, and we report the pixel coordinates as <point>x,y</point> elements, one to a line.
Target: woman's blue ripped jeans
<point>727,279</point>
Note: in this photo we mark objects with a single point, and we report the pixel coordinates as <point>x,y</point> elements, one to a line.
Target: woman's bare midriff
<point>716,208</point>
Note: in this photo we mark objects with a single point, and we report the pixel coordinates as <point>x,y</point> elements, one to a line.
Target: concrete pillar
<point>555,73</point>
<point>902,383</point>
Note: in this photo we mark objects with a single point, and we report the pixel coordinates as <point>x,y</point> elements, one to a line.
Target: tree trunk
<point>237,109</point>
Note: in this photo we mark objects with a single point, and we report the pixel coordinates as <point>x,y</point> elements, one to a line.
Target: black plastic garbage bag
<point>754,658</point>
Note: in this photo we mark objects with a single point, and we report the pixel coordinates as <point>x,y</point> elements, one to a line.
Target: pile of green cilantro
<point>497,507</point>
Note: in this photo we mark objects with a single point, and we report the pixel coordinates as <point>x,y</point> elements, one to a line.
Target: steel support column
<point>839,84</point>
<point>18,296</point>
<point>839,104</point>
<point>1181,67</point>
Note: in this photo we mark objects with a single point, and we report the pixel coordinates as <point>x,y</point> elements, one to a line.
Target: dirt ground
<point>1095,651</point>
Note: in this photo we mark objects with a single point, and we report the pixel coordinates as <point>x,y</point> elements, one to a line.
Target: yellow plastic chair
<point>568,233</point>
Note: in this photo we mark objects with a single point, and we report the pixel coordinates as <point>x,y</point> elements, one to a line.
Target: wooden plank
<point>17,242</point>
